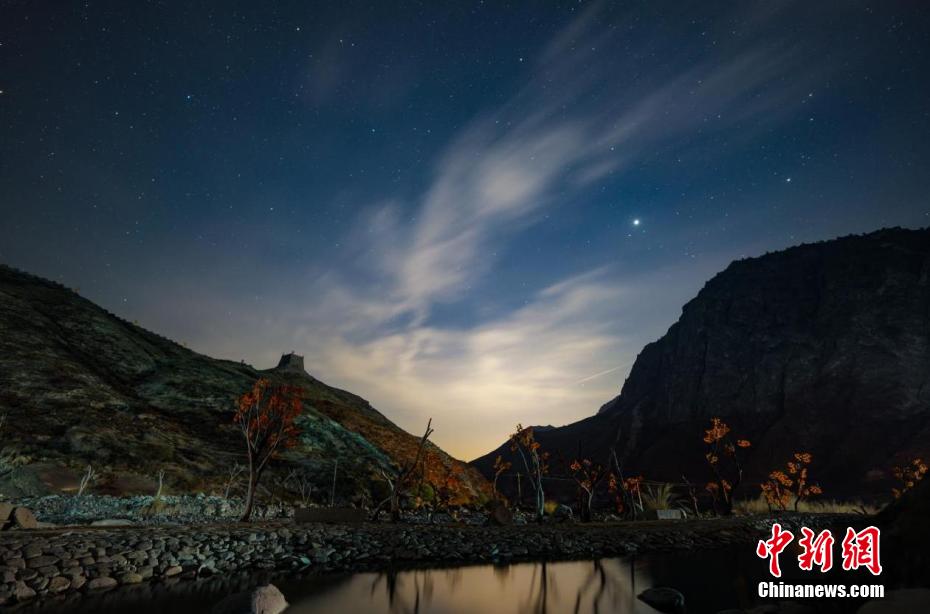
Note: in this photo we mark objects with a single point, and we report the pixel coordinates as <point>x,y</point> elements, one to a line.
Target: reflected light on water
<point>582,587</point>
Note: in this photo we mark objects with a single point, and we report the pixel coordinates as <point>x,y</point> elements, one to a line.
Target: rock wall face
<point>823,348</point>
<point>80,386</point>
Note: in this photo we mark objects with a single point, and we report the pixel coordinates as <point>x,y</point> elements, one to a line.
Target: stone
<point>41,561</point>
<point>23,518</point>
<point>102,583</point>
<point>664,599</point>
<point>268,600</point>
<point>6,510</point>
<point>23,592</point>
<point>59,584</point>
<point>26,574</point>
<point>173,570</point>
<point>130,577</point>
<point>263,600</point>
<point>38,583</point>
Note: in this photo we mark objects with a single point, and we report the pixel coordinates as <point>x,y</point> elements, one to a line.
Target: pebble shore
<point>64,561</point>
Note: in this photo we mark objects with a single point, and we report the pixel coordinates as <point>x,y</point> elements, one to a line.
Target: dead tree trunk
<point>396,486</point>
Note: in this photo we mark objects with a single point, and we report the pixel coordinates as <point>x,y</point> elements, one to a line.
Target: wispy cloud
<point>585,111</point>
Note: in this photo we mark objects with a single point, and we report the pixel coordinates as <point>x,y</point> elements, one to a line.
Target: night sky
<point>474,211</point>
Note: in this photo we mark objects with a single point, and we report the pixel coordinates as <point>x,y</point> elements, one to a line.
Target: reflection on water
<point>608,585</point>
<point>711,580</point>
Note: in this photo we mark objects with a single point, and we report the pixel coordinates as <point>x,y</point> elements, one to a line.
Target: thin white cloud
<point>369,327</point>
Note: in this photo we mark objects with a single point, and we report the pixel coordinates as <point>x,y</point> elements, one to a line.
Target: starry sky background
<point>436,203</point>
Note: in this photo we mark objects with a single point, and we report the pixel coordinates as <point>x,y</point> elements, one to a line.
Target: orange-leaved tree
<point>627,493</point>
<point>266,415</point>
<point>725,459</point>
<point>799,469</point>
<point>500,466</point>
<point>777,490</point>
<point>534,461</point>
<point>908,475</point>
<point>587,476</point>
<point>794,481</point>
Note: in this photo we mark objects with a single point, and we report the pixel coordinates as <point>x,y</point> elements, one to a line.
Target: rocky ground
<point>146,510</point>
<point>105,510</point>
<point>56,563</point>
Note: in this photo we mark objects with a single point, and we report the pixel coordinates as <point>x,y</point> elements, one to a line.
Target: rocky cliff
<point>80,386</point>
<point>822,348</point>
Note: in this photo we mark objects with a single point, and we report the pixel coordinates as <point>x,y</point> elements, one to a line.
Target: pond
<point>711,581</point>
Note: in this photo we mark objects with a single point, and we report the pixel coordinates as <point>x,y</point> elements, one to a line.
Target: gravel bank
<point>65,561</point>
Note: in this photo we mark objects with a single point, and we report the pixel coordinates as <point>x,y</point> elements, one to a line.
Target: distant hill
<point>81,386</point>
<point>822,348</point>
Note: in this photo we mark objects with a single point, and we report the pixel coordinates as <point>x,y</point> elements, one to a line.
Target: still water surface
<point>711,580</point>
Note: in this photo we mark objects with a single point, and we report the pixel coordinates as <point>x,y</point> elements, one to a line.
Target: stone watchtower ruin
<point>291,362</point>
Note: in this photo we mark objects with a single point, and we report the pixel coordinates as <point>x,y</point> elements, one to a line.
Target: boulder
<point>268,600</point>
<point>263,600</point>
<point>23,518</point>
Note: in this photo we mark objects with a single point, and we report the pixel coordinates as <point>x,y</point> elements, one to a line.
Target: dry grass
<point>816,506</point>
<point>663,497</point>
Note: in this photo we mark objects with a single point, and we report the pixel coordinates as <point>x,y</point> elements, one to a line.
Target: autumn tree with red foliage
<point>587,475</point>
<point>725,459</point>
<point>500,466</point>
<point>534,461</point>
<point>265,416</point>
<point>908,475</point>
<point>794,481</point>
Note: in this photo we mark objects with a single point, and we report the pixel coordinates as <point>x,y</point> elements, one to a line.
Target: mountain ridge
<point>784,346</point>
<point>80,385</point>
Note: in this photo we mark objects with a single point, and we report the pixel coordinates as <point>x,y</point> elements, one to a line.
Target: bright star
<point>636,222</point>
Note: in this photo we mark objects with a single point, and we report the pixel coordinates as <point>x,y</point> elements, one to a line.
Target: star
<point>636,221</point>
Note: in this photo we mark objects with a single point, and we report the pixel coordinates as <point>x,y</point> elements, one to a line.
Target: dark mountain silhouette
<point>822,348</point>
<point>81,386</point>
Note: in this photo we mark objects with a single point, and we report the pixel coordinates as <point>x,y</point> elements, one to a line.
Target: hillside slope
<point>822,347</point>
<point>81,386</point>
